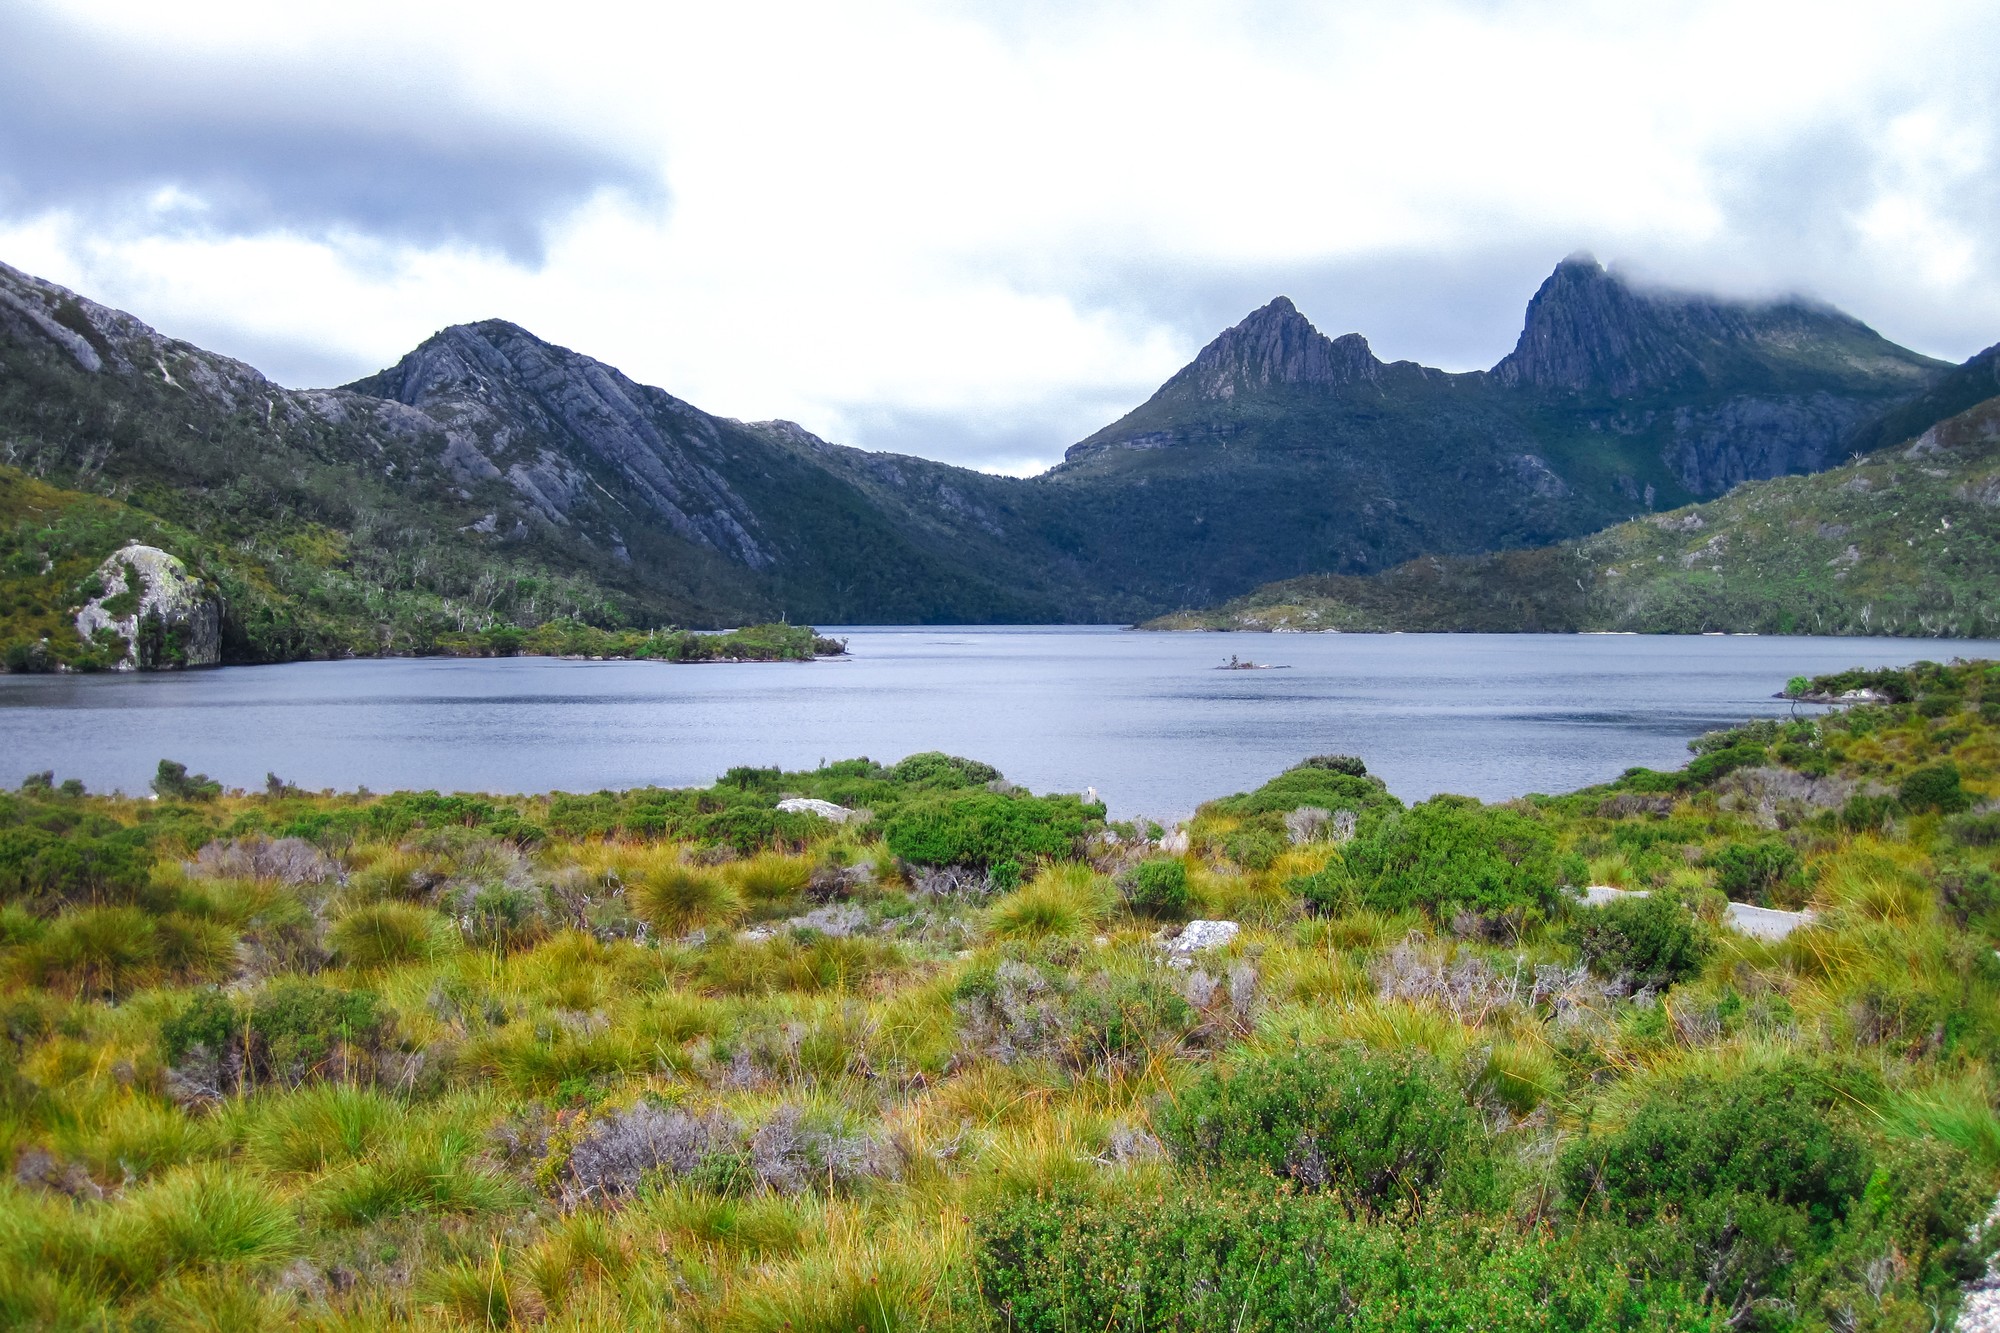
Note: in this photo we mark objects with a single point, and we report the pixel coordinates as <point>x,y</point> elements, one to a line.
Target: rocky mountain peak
<point>1276,345</point>
<point>1591,331</point>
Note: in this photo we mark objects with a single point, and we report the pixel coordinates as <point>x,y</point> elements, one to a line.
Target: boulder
<point>166,617</point>
<point>812,805</point>
<point>1198,936</point>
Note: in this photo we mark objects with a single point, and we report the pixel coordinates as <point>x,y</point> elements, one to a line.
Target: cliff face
<point>1276,346</point>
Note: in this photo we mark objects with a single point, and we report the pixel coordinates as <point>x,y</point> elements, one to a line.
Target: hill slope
<point>1905,541</point>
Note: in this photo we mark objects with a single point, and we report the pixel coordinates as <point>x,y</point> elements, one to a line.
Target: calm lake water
<point>1144,718</point>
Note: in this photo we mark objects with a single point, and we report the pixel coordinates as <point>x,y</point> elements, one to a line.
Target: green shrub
<point>1934,787</point>
<point>298,1025</point>
<point>1754,872</point>
<point>288,1032</point>
<point>1328,785</point>
<point>1347,764</point>
<point>72,866</point>
<point>1654,940</point>
<point>1245,1261</point>
<point>981,828</point>
<point>1385,1132</point>
<point>1453,854</point>
<point>936,770</point>
<point>1159,889</point>
<point>1255,846</point>
<point>1706,768</point>
<point>173,782</point>
<point>1769,1133</point>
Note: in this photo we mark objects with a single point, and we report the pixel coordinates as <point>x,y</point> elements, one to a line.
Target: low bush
<point>1158,888</point>
<point>1385,1133</point>
<point>1244,1261</point>
<point>1934,787</point>
<point>1769,1133</point>
<point>1766,872</point>
<point>1452,854</point>
<point>982,829</point>
<point>1654,940</point>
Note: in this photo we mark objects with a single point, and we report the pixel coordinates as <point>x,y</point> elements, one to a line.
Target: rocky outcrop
<point>1277,345</point>
<point>166,617</point>
<point>1590,332</point>
<point>545,417</point>
<point>1713,448</point>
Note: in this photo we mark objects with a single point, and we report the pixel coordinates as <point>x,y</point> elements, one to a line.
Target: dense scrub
<point>682,1059</point>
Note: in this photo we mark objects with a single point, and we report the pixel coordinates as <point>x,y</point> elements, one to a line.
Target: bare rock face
<point>1278,345</point>
<point>166,617</point>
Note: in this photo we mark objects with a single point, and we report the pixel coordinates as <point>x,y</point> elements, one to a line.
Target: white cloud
<point>1005,223</point>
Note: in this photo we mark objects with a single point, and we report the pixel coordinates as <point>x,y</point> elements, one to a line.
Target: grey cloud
<point>1458,311</point>
<point>99,128</point>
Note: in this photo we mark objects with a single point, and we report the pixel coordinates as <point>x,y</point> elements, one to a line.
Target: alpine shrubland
<point>682,1059</point>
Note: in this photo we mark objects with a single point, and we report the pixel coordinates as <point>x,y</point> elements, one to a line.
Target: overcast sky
<point>979,231</point>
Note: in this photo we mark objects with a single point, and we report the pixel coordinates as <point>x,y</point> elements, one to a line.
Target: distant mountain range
<point>493,478</point>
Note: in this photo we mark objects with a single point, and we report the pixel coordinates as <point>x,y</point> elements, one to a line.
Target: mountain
<point>1900,541</point>
<point>490,478</point>
<point>1616,399</point>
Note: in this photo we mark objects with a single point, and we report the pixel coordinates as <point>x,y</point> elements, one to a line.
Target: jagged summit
<point>1274,345</point>
<point>1591,331</point>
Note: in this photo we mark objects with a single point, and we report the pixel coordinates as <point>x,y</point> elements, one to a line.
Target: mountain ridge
<point>490,477</point>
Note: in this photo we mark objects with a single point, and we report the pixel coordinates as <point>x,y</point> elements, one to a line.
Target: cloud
<point>121,137</point>
<point>978,231</point>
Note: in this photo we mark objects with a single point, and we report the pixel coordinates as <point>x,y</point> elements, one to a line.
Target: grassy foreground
<point>680,1059</point>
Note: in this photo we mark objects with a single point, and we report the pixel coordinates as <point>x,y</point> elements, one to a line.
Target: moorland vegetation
<point>682,1058</point>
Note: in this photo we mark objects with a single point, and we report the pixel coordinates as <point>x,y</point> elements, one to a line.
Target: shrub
<point>1159,889</point>
<point>383,935</point>
<point>173,782</point>
<point>1385,1132</point>
<point>1453,854</point>
<point>1766,1133</point>
<point>936,770</point>
<point>1754,872</point>
<point>1934,787</point>
<point>982,828</point>
<point>676,899</point>
<point>1654,940</point>
<point>298,1025</point>
<point>1347,764</point>
<point>1247,1262</point>
<point>1093,1020</point>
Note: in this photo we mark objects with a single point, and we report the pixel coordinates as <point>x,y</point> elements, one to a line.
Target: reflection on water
<point>1144,718</point>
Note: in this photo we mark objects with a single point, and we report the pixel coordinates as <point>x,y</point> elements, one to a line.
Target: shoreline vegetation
<point>907,1047</point>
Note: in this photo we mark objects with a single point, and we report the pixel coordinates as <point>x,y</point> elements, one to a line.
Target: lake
<point>1144,718</point>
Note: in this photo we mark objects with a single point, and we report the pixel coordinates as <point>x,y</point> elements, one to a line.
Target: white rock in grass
<point>1197,936</point>
<point>812,805</point>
